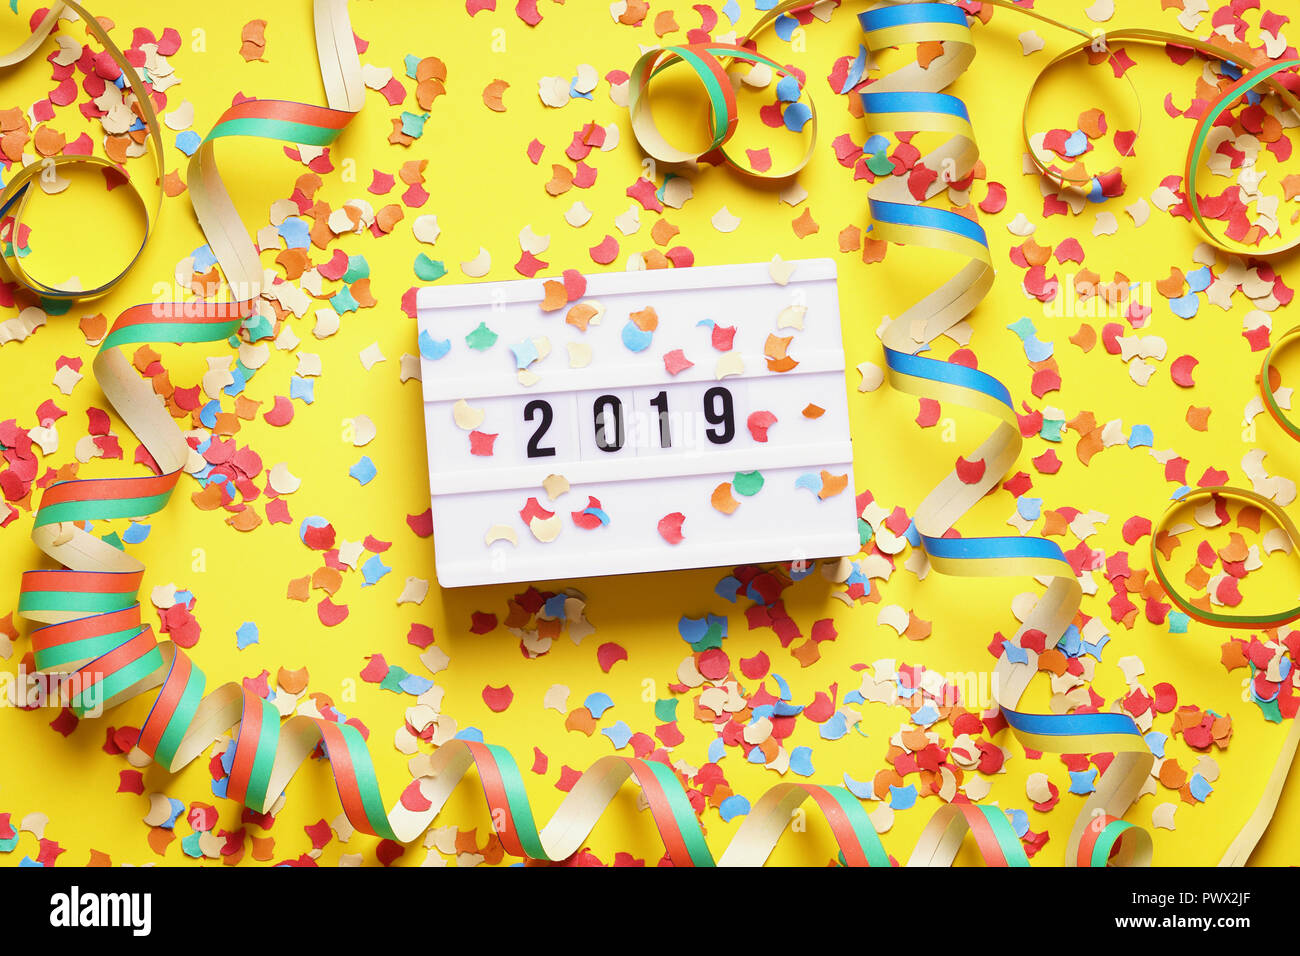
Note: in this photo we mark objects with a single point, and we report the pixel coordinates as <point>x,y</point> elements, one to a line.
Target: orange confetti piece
<point>723,499</point>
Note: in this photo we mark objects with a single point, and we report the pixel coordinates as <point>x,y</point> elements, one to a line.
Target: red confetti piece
<point>670,527</point>
<point>498,698</point>
<point>609,654</point>
<point>970,472</point>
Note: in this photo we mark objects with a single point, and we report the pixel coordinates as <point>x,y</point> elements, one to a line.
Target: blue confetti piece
<point>810,480</point>
<point>1156,742</point>
<point>784,687</point>
<point>785,709</point>
<point>245,635</point>
<point>727,588</point>
<point>238,379</point>
<point>1031,509</point>
<point>787,89</point>
<point>1178,622</point>
<point>188,141</point>
<point>1071,643</point>
<point>796,116</point>
<point>1036,350</point>
<point>1095,193</point>
<point>835,728</point>
<point>598,514</point>
<point>1094,650</point>
<point>1141,437</point>
<point>635,338</point>
<point>302,388</point>
<point>597,703</point>
<point>415,684</point>
<point>902,798</point>
<point>1185,306</point>
<point>1016,655</point>
<point>854,697</point>
<point>863,790</point>
<point>785,26</point>
<point>1076,144</point>
<point>1083,781</point>
<point>856,69</point>
<point>373,570</point>
<point>204,258</point>
<point>731,10</point>
<point>925,715</point>
<point>135,533</point>
<point>717,749</point>
<point>801,761</point>
<point>293,231</point>
<point>756,756</point>
<point>1019,821</point>
<point>178,807</point>
<point>554,606</point>
<point>525,353</point>
<point>434,349</point>
<point>735,805</point>
<point>364,470</point>
<point>619,734</point>
<point>1198,280</point>
<point>1200,787</point>
<point>875,144</point>
<point>470,733</point>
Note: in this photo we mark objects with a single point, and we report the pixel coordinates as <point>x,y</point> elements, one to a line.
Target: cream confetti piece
<point>477,267</point>
<point>724,221</point>
<point>467,417</point>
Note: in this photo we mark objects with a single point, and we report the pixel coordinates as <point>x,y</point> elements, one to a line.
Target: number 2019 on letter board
<point>637,421</point>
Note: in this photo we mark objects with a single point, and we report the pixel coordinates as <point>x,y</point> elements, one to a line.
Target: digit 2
<point>531,410</point>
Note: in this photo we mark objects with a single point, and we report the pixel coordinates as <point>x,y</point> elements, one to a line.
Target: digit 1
<point>601,409</point>
<point>724,416</point>
<point>660,404</point>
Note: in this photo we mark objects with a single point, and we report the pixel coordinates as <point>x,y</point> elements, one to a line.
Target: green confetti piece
<point>880,164</point>
<point>865,533</point>
<point>413,124</point>
<point>665,711</point>
<point>482,338</point>
<point>748,483</point>
<point>358,268</point>
<point>430,270</point>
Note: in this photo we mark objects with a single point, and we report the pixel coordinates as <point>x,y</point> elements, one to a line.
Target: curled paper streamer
<point>912,99</point>
<point>709,62</point>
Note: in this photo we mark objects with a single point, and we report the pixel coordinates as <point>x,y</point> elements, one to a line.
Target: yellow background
<point>484,190</point>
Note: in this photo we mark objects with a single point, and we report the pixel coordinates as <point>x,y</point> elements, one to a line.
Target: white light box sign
<point>650,421</point>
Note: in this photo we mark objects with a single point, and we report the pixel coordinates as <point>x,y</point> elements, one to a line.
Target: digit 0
<point>609,436</point>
